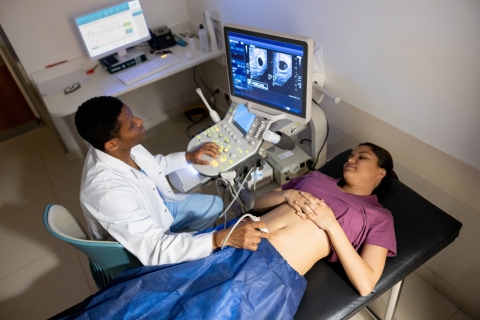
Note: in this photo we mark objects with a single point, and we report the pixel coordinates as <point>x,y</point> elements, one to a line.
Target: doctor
<point>125,196</point>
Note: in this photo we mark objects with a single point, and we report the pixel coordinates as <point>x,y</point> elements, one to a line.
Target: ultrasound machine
<point>270,82</point>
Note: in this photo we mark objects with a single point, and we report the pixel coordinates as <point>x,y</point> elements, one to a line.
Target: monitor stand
<point>126,55</point>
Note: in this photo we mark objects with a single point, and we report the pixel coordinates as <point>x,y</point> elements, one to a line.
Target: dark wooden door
<point>14,109</point>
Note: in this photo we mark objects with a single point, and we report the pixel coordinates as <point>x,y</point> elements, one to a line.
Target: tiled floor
<point>40,276</point>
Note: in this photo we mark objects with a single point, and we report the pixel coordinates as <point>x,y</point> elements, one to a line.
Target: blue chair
<point>107,258</point>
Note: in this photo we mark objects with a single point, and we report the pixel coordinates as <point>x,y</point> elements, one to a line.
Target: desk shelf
<point>101,83</point>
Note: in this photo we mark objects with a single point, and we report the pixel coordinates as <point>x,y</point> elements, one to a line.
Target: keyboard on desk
<point>147,68</point>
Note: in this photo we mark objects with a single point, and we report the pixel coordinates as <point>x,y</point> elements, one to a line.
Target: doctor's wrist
<point>188,156</point>
<point>217,239</point>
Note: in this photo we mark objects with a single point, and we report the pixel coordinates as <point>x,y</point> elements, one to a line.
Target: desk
<point>61,106</point>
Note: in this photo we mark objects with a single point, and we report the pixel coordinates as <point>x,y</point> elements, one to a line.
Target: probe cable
<point>223,198</point>
<point>224,213</point>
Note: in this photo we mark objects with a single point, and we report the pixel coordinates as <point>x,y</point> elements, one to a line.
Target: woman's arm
<point>362,269</point>
<point>269,200</point>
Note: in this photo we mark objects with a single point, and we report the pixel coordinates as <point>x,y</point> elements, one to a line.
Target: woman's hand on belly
<point>303,203</point>
<point>319,212</point>
<point>296,200</point>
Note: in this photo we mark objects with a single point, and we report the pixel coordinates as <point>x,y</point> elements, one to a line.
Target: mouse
<point>188,55</point>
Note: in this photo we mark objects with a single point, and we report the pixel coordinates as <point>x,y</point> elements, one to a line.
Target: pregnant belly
<point>300,242</point>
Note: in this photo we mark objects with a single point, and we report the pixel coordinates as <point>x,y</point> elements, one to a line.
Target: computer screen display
<point>269,71</point>
<point>243,119</point>
<point>112,30</point>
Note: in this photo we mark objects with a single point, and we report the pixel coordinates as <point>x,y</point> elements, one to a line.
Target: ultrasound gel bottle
<point>203,37</point>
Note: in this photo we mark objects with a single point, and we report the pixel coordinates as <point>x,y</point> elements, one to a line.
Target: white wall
<point>43,32</point>
<point>410,72</point>
<point>413,64</point>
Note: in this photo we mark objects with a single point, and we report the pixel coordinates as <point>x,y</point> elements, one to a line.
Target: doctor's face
<point>132,132</point>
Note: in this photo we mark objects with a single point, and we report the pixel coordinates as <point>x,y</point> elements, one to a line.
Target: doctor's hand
<point>245,236</point>
<point>195,156</point>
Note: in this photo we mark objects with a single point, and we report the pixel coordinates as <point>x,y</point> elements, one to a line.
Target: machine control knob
<point>252,142</point>
<point>232,155</point>
<point>238,140</point>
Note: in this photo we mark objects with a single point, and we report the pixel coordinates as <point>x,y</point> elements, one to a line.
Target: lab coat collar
<point>116,164</point>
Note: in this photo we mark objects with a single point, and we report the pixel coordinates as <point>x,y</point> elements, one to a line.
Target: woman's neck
<point>357,190</point>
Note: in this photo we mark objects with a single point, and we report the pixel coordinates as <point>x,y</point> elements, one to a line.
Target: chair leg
<point>393,300</point>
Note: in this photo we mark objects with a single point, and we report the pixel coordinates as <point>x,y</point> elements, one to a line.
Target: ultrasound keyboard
<point>186,179</point>
<point>147,68</point>
<point>239,136</point>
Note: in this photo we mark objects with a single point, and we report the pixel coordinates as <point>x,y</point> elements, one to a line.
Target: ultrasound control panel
<point>239,136</point>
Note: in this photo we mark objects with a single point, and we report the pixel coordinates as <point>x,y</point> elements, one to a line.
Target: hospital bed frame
<point>422,230</point>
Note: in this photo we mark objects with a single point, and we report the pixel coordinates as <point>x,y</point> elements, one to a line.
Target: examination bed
<point>422,230</point>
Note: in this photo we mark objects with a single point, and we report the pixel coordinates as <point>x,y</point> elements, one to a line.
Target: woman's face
<point>362,167</point>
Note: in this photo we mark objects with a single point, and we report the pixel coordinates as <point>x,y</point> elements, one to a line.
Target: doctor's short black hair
<point>97,120</point>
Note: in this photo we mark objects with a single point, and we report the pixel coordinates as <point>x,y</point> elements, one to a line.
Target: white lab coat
<point>122,202</point>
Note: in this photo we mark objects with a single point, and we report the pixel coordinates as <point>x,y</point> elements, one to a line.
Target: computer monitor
<point>112,30</point>
<point>270,72</point>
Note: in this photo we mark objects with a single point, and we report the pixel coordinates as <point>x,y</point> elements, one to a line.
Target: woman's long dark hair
<point>385,160</point>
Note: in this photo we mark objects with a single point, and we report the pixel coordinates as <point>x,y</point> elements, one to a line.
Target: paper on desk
<point>56,79</point>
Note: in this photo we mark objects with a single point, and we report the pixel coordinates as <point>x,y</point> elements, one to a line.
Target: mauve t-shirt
<point>362,218</point>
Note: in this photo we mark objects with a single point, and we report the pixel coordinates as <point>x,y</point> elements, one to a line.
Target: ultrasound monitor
<point>112,30</point>
<point>242,119</point>
<point>270,72</point>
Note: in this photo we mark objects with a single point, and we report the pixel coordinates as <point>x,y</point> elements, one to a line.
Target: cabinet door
<point>14,109</point>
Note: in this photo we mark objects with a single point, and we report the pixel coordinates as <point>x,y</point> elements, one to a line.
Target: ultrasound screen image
<point>258,61</point>
<point>267,71</point>
<point>282,68</point>
<point>272,71</point>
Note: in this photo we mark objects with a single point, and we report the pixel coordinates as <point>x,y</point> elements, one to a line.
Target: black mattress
<point>422,231</point>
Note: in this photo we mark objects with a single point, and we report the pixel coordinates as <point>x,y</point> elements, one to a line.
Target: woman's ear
<point>382,173</point>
